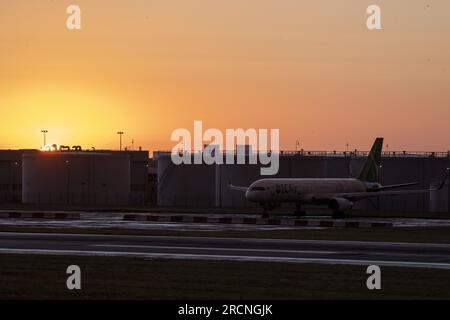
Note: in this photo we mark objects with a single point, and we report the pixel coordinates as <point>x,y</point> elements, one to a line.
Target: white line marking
<point>412,254</point>
<point>334,242</point>
<point>445,266</point>
<point>212,248</point>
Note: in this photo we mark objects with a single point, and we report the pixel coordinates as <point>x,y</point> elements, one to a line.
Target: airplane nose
<point>254,196</point>
<point>250,196</point>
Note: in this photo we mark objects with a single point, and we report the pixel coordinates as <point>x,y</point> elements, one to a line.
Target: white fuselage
<point>302,190</point>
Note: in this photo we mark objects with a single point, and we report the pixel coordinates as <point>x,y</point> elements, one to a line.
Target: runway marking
<point>431,265</point>
<point>213,248</point>
<point>343,252</point>
<point>291,241</point>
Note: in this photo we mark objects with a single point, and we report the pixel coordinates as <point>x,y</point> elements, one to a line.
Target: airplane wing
<point>393,186</point>
<point>355,196</point>
<point>237,188</point>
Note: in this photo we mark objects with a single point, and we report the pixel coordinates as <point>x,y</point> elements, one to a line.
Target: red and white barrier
<point>324,223</point>
<point>40,215</point>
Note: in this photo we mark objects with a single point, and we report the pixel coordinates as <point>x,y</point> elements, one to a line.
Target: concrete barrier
<point>40,215</point>
<point>324,223</point>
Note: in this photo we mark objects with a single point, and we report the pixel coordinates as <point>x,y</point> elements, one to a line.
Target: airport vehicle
<point>339,194</point>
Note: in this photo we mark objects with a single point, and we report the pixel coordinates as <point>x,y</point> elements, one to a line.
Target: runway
<point>235,249</point>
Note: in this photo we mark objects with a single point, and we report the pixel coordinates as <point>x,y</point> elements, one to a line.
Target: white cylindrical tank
<point>439,199</point>
<point>76,178</point>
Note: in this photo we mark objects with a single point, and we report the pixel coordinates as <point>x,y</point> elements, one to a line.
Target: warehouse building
<point>105,177</point>
<point>207,185</point>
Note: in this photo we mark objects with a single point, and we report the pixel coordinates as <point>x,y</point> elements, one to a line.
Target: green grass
<point>44,277</point>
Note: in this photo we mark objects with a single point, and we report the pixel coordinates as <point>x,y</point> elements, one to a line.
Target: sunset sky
<point>147,67</point>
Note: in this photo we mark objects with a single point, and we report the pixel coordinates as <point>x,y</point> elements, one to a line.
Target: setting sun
<point>72,116</point>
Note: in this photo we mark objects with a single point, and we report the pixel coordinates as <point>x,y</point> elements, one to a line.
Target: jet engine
<point>340,204</point>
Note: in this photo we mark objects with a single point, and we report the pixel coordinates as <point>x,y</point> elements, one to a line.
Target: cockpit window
<point>258,189</point>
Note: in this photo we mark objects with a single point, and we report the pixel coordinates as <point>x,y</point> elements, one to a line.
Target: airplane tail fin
<point>371,167</point>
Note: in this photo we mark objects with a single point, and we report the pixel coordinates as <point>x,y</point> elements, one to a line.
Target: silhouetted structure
<point>207,185</point>
<point>74,177</point>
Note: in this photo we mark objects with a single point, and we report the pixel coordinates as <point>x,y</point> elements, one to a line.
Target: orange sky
<point>147,67</point>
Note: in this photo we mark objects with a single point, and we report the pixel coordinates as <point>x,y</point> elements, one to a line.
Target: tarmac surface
<point>92,220</point>
<point>422,255</point>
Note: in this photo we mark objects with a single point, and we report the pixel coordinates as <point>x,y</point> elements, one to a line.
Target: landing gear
<point>266,209</point>
<point>338,215</point>
<point>299,211</point>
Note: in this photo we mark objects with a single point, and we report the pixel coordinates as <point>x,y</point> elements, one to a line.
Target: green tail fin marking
<point>370,169</point>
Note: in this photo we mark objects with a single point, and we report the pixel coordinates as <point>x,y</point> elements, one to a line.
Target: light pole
<point>448,190</point>
<point>45,133</point>
<point>120,133</point>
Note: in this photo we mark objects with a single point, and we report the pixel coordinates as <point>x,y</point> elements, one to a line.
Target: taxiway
<point>424,255</point>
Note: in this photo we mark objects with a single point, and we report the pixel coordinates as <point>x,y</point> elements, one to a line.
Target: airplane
<point>339,194</point>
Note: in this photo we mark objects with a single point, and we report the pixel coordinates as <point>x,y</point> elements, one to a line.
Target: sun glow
<point>51,147</point>
<point>74,115</point>
<point>153,67</point>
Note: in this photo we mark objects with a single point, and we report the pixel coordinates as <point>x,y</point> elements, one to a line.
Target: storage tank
<point>186,185</point>
<point>76,178</point>
<point>439,199</point>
